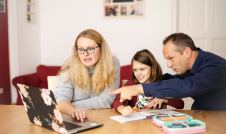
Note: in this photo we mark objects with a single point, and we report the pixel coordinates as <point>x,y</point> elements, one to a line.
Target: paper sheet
<point>132,117</point>
<point>157,112</point>
<point>141,115</point>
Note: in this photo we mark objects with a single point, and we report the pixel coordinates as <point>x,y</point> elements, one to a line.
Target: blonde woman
<point>86,79</point>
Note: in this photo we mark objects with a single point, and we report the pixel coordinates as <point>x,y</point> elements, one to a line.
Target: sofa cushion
<point>44,71</point>
<point>126,75</point>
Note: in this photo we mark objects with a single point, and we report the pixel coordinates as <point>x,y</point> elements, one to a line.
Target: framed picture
<point>30,11</point>
<point>2,6</point>
<point>123,8</point>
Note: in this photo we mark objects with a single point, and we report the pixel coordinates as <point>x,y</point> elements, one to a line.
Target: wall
<point>28,40</point>
<point>61,22</point>
<point>24,41</point>
<point>50,39</point>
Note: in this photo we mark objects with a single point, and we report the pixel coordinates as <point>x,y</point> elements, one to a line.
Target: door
<point>5,94</point>
<point>205,21</point>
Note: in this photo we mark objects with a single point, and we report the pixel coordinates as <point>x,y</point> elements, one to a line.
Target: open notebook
<point>147,114</point>
<point>41,109</point>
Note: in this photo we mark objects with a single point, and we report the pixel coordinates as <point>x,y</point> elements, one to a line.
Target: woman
<point>145,70</point>
<point>87,77</point>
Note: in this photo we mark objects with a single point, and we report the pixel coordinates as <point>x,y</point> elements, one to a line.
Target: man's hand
<point>127,92</point>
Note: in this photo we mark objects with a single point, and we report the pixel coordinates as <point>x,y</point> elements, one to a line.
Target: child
<point>145,70</point>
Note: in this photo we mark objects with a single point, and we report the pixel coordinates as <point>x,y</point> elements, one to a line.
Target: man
<point>199,74</point>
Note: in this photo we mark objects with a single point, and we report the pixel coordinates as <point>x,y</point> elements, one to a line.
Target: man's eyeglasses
<point>89,50</point>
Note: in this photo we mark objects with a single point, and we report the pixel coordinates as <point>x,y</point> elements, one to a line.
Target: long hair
<point>104,70</point>
<point>146,57</point>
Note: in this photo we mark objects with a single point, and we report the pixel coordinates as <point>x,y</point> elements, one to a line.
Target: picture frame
<point>30,11</point>
<point>123,8</point>
<point>2,6</point>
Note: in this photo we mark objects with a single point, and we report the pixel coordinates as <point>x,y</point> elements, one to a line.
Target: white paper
<point>157,112</point>
<point>132,117</point>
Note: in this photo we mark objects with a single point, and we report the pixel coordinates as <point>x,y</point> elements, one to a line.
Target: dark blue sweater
<point>205,83</point>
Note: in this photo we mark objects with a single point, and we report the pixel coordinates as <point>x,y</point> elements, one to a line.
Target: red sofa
<point>39,78</point>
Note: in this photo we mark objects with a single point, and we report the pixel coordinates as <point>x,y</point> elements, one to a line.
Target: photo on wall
<point>30,11</point>
<point>123,8</point>
<point>2,6</point>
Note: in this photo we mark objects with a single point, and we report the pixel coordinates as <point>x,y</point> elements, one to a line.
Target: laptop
<point>41,107</point>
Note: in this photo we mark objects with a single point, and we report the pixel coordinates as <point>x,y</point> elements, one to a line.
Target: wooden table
<point>14,120</point>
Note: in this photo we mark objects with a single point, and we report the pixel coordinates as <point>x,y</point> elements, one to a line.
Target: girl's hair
<point>104,70</point>
<point>146,57</point>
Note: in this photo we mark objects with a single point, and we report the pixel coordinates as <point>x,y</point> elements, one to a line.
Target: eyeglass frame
<point>87,50</point>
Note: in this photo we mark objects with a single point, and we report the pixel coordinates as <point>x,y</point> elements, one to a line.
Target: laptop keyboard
<point>70,126</point>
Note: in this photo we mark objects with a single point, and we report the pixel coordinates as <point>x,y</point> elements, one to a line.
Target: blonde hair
<point>104,70</point>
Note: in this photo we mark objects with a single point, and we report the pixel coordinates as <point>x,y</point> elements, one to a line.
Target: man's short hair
<point>181,41</point>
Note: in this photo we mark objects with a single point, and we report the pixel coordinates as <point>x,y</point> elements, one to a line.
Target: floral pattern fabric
<point>40,105</point>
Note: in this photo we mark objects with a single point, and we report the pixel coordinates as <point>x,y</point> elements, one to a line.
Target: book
<point>184,127</point>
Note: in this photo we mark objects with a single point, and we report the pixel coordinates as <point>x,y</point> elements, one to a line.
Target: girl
<point>145,70</point>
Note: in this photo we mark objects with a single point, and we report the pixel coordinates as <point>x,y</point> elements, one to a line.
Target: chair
<point>52,82</point>
<point>126,75</point>
<point>188,101</point>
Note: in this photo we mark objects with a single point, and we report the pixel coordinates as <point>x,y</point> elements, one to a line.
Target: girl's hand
<point>156,103</point>
<point>127,110</point>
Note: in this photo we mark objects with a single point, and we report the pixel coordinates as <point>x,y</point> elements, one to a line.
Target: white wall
<point>61,22</point>
<point>51,38</point>
<point>24,41</point>
<point>13,44</point>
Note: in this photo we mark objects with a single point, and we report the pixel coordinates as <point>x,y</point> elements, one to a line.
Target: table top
<point>14,120</point>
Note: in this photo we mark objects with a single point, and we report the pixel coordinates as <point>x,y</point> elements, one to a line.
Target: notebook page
<point>132,117</point>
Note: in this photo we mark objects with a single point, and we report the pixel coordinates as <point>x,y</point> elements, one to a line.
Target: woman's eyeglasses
<point>89,50</point>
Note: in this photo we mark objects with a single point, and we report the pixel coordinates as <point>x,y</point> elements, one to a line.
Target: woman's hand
<point>156,103</point>
<point>67,108</point>
<point>79,114</point>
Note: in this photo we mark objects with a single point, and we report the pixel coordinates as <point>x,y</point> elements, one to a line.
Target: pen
<point>134,109</point>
